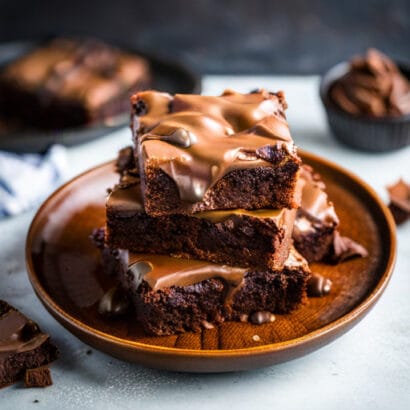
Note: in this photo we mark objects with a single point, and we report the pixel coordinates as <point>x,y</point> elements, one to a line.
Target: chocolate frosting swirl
<point>373,86</point>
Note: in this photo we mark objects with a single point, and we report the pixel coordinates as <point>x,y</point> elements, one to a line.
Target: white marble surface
<point>368,368</point>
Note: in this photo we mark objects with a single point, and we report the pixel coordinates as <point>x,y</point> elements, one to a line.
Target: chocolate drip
<point>113,303</point>
<point>18,334</point>
<point>318,285</point>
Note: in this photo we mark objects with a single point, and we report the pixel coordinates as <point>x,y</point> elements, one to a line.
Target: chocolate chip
<point>318,285</point>
<point>113,303</point>
<point>259,318</point>
<point>140,108</point>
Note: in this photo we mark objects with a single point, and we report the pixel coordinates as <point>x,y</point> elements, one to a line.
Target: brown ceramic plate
<point>63,267</point>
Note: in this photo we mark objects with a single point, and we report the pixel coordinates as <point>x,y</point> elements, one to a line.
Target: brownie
<point>22,345</point>
<point>259,238</point>
<point>199,153</point>
<point>173,295</point>
<point>316,219</point>
<point>70,82</point>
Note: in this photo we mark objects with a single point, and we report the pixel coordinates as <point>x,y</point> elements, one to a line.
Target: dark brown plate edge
<point>253,357</point>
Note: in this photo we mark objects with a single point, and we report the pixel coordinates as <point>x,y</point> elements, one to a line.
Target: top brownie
<point>70,82</point>
<point>199,153</point>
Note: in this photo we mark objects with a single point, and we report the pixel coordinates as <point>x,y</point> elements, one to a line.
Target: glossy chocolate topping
<point>315,203</point>
<point>161,271</point>
<point>18,334</point>
<point>197,140</point>
<point>373,86</point>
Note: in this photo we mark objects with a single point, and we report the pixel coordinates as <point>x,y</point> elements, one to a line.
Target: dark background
<point>225,36</point>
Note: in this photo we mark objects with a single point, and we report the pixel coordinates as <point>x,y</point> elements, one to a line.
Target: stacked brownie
<point>199,227</point>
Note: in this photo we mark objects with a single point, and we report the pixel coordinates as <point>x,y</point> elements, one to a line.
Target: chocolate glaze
<point>161,271</point>
<point>18,334</point>
<point>197,140</point>
<point>315,205</point>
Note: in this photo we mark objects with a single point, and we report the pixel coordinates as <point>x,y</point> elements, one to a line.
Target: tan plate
<point>64,270</point>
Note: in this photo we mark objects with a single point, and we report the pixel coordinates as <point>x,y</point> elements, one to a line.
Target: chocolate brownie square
<point>259,238</point>
<point>22,345</point>
<point>199,153</point>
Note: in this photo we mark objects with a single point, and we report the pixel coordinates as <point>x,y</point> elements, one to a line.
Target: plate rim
<point>324,334</point>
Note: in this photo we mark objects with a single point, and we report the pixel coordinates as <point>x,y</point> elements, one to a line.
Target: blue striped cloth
<point>26,179</point>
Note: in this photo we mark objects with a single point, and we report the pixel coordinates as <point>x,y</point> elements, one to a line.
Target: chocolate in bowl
<point>364,132</point>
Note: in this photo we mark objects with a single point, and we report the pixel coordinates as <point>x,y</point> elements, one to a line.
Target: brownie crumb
<point>89,352</point>
<point>399,201</point>
<point>36,401</point>
<point>38,377</point>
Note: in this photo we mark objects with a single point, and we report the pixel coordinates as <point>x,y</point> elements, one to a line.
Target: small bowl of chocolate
<point>367,102</point>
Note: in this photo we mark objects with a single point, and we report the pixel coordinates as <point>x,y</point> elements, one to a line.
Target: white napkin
<point>26,179</point>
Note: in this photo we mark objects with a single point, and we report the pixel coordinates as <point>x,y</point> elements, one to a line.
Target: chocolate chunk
<point>345,248</point>
<point>399,201</point>
<point>113,303</point>
<point>318,285</point>
<point>259,318</point>
<point>140,108</point>
<point>125,160</point>
<point>22,345</point>
<point>38,377</point>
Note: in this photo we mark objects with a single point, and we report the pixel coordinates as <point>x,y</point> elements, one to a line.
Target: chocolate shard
<point>345,248</point>
<point>38,377</point>
<point>399,201</point>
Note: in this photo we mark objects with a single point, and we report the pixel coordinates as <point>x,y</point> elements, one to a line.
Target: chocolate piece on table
<point>318,285</point>
<point>173,295</point>
<point>235,237</point>
<point>22,345</point>
<point>373,86</point>
<point>399,201</point>
<point>199,153</point>
<point>316,219</point>
<point>345,248</point>
<point>38,377</point>
<point>70,82</point>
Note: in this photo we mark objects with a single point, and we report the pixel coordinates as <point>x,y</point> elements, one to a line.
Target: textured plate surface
<point>64,270</point>
<point>167,76</point>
